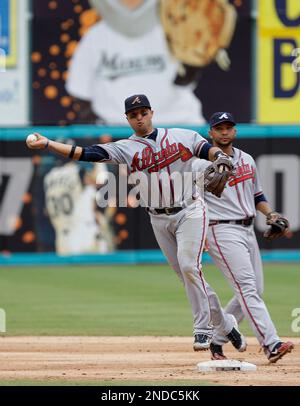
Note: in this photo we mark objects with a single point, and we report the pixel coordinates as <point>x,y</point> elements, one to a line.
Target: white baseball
<point>31,139</point>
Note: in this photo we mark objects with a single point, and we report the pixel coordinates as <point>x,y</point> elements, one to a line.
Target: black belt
<point>245,222</point>
<point>166,210</point>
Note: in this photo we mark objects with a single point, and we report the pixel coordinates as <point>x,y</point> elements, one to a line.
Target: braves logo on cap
<point>220,117</point>
<point>136,100</point>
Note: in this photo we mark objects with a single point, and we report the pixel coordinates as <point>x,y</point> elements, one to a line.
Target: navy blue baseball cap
<point>221,117</point>
<point>136,101</point>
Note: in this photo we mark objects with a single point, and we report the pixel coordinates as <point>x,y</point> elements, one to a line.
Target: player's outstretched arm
<point>66,150</point>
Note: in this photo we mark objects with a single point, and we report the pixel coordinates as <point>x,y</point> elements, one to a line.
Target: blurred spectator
<point>70,202</point>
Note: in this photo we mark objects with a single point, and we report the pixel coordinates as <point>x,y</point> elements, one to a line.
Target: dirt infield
<point>134,358</point>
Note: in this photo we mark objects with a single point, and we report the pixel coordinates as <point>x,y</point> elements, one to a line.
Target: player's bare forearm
<point>64,149</point>
<point>54,146</point>
<point>264,207</point>
<point>212,153</point>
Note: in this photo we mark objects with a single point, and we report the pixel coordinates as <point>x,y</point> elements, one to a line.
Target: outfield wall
<point>25,227</point>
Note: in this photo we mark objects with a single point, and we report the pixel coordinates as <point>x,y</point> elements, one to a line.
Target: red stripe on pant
<point>237,284</point>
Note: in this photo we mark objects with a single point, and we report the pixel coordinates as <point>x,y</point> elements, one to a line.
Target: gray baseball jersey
<point>163,165</point>
<point>234,249</point>
<point>180,234</point>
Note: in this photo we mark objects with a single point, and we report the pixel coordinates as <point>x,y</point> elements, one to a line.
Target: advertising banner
<point>52,205</point>
<point>278,61</point>
<point>8,30</point>
<point>14,63</point>
<point>88,56</point>
<point>48,204</point>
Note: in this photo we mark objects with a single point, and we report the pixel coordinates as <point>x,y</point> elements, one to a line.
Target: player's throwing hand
<point>40,142</point>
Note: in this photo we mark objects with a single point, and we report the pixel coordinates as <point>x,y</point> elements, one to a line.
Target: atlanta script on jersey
<point>170,156</point>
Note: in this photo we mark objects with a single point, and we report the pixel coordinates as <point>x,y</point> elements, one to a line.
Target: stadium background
<point>38,39</point>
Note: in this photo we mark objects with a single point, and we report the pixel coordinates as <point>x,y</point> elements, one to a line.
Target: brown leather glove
<point>217,174</point>
<point>279,226</point>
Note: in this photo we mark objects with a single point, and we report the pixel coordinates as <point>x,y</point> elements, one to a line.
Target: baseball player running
<point>179,224</point>
<point>232,243</point>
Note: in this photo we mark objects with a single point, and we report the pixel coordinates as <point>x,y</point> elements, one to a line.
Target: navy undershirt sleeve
<point>260,198</point>
<point>94,153</point>
<point>204,151</point>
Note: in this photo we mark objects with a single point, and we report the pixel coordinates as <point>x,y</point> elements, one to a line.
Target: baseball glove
<point>217,174</point>
<point>197,30</point>
<point>278,226</point>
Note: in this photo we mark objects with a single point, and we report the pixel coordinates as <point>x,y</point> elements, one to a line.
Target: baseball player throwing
<point>179,225</point>
<point>232,243</point>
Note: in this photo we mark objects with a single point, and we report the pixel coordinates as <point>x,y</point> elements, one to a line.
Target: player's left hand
<point>223,162</point>
<point>279,226</point>
<point>217,174</point>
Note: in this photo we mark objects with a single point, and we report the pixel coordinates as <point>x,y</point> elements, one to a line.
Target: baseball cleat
<point>202,342</point>
<point>216,352</point>
<point>236,338</point>
<point>279,351</point>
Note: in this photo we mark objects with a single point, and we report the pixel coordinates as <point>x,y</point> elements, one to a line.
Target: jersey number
<point>62,205</point>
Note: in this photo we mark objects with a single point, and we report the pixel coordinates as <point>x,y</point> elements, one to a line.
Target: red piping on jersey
<point>238,193</point>
<point>237,284</point>
<point>157,174</point>
<point>199,147</point>
<point>168,168</point>
<point>163,138</point>
<point>145,143</point>
<point>202,241</point>
<point>198,259</point>
<point>258,193</point>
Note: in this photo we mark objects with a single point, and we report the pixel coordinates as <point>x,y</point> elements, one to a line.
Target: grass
<point>123,300</point>
<point>92,301</point>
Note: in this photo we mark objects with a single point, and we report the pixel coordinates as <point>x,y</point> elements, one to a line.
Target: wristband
<point>270,213</point>
<point>72,151</point>
<point>218,153</point>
